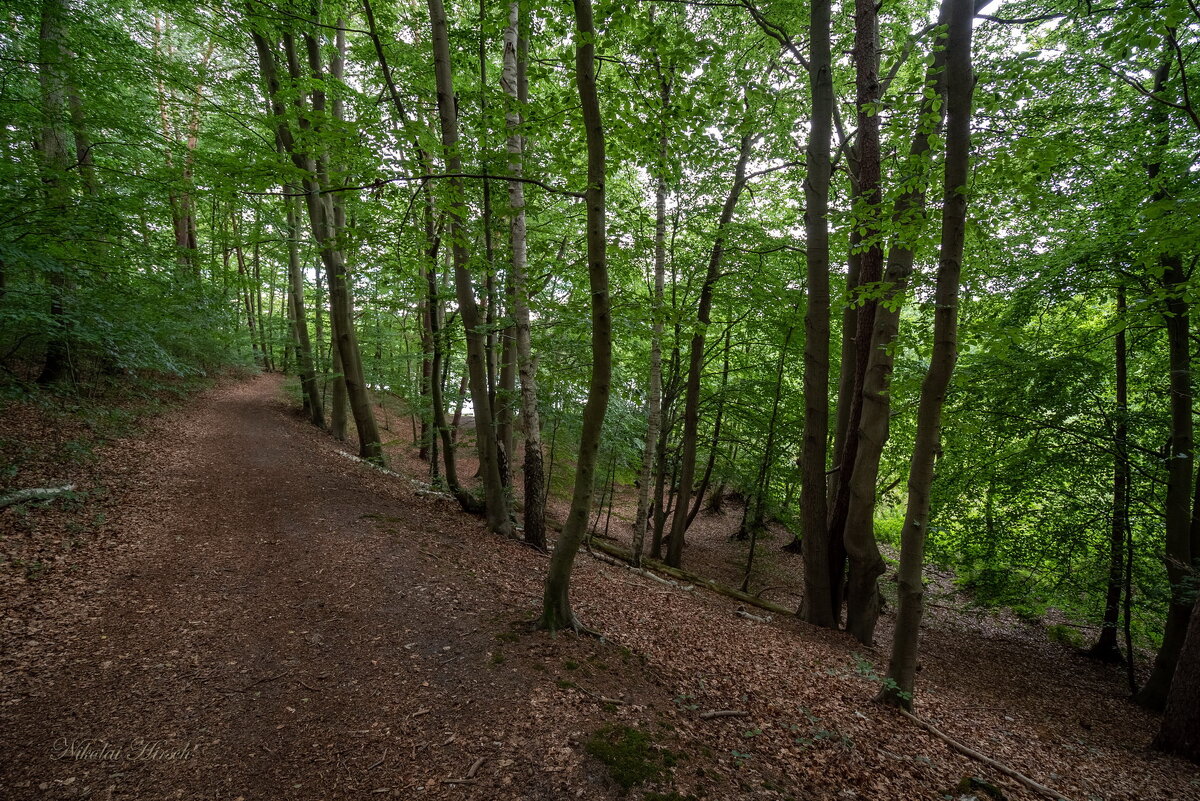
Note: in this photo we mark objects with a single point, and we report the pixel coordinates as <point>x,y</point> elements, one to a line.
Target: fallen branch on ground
<point>699,581</point>
<point>35,494</point>
<point>724,713</point>
<point>966,750</point>
<point>743,613</point>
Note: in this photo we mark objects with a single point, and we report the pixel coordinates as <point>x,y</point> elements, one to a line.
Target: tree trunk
<point>816,607</point>
<point>1106,648</point>
<point>691,404</point>
<point>960,84</point>
<point>52,144</point>
<point>1180,730</point>
<point>859,544</point>
<point>322,221</point>
<point>1178,512</point>
<point>556,604</point>
<point>714,445</point>
<point>514,85</point>
<point>308,373</point>
<point>496,499</point>
<point>908,218</point>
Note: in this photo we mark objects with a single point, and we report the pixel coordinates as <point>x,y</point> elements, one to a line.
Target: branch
<point>379,183</point>
<point>973,754</point>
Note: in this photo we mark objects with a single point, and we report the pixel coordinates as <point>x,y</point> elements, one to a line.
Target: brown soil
<point>267,619</point>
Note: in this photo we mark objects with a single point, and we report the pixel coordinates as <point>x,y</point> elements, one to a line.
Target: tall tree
<point>817,607</point>
<point>516,88</point>
<point>960,85</point>
<point>496,498</point>
<point>556,600</point>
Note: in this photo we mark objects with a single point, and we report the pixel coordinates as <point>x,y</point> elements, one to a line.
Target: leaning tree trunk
<point>1178,512</point>
<point>691,403</point>
<point>1180,730</point>
<point>322,222</point>
<point>556,603</point>
<point>496,499</point>
<point>960,84</point>
<point>514,85</point>
<point>816,607</point>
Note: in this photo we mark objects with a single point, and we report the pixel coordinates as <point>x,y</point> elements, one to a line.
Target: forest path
<point>267,631</point>
<point>263,619</point>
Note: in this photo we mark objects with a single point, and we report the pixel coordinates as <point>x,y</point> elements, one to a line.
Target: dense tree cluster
<point>912,280</point>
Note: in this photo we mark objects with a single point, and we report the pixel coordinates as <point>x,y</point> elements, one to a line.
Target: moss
<point>1065,635</point>
<point>630,755</point>
<point>570,665</point>
<point>497,658</point>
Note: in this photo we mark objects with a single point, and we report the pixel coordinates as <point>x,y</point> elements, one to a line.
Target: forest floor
<point>229,608</point>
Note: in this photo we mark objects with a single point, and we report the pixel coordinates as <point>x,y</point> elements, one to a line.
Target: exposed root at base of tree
<point>966,750</point>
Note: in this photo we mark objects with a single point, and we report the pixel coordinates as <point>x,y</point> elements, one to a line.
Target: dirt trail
<point>269,633</point>
<point>267,620</point>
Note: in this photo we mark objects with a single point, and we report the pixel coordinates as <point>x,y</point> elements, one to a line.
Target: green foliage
<point>630,755</point>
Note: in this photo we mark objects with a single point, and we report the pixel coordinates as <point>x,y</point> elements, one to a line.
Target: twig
<point>379,761</point>
<point>475,767</point>
<point>724,713</point>
<point>973,754</point>
<point>260,681</point>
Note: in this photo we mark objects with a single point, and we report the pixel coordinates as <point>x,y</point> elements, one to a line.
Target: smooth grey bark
<point>556,602</point>
<point>496,497</point>
<point>304,357</point>
<point>514,84</point>
<point>654,399</point>
<point>816,607</point>
<point>691,403</point>
<point>960,85</point>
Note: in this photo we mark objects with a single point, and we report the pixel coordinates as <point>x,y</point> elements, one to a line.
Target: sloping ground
<point>267,619</point>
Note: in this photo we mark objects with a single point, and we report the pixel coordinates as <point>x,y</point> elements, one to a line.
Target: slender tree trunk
<point>496,498</point>
<point>52,144</point>
<point>514,84</point>
<point>960,84</point>
<point>304,358</point>
<point>715,443</point>
<point>556,603</point>
<point>816,607</point>
<point>1178,515</point>
<point>1106,648</point>
<point>691,408</point>
<point>323,223</point>
<point>756,522</point>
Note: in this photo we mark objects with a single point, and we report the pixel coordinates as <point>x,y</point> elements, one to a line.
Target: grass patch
<point>630,755</point>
